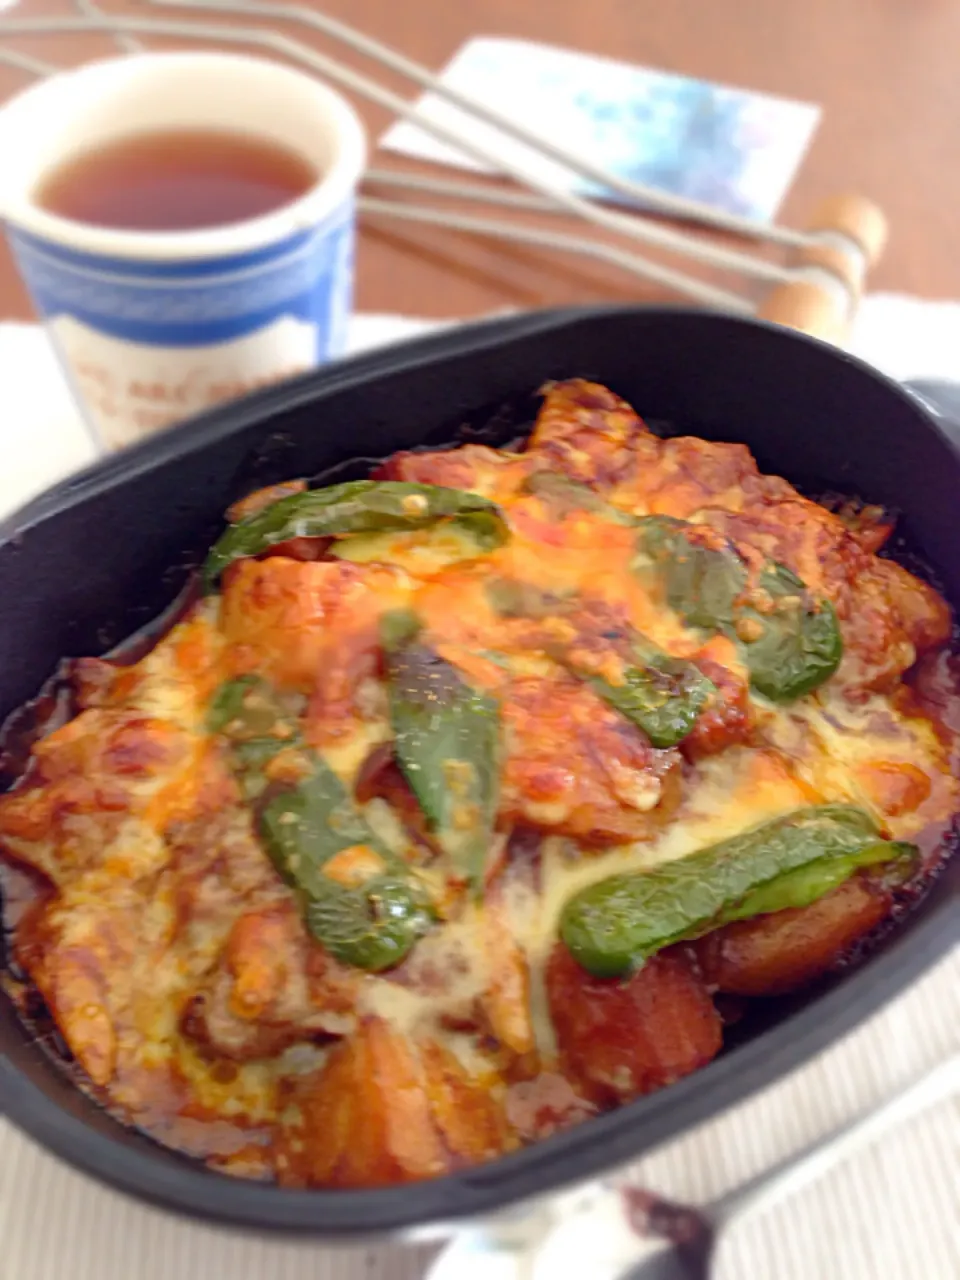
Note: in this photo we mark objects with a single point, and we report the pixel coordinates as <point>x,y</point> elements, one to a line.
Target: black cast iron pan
<point>95,558</point>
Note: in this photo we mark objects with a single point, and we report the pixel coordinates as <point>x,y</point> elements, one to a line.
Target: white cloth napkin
<point>893,1213</point>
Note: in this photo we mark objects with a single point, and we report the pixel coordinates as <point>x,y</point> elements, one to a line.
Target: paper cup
<point>154,326</point>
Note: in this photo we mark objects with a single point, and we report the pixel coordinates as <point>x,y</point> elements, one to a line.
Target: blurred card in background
<point>727,147</point>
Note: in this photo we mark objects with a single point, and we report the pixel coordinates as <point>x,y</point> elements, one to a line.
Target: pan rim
<point>183,1186</point>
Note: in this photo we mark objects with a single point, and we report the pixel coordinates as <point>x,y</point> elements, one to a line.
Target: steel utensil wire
<point>532,193</point>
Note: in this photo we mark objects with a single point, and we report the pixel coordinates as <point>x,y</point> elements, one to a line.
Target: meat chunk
<point>576,767</point>
<point>73,971</point>
<point>780,952</point>
<point>272,987</point>
<point>494,473</point>
<point>100,955</point>
<point>307,626</point>
<point>256,981</point>
<point>691,474</point>
<point>384,1110</point>
<point>919,610</point>
<point>467,1112</point>
<point>87,779</point>
<point>505,1002</point>
<point>728,716</point>
<point>871,525</point>
<point>623,1038</point>
<point>811,541</point>
<point>587,433</point>
<point>186,660</point>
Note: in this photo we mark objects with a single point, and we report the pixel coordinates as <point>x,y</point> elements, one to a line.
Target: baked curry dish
<point>474,798</point>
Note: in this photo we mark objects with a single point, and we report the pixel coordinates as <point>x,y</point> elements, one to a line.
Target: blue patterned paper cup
<point>154,326</point>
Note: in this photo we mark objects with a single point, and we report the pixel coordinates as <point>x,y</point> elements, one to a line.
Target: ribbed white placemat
<point>891,1214</point>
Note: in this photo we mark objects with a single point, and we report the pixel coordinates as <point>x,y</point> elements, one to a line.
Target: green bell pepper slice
<point>613,926</point>
<point>447,743</point>
<point>700,583</point>
<point>357,506</point>
<point>663,696</point>
<point>794,647</point>
<point>370,919</point>
<point>792,644</point>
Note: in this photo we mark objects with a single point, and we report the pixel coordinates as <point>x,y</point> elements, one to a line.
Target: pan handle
<point>845,237</point>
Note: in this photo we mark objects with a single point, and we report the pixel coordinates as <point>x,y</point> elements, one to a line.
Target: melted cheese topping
<point>174,958</point>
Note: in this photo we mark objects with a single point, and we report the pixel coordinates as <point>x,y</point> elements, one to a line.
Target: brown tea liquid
<point>176,180</point>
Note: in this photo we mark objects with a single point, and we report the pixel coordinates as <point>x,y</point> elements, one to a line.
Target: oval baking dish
<point>96,559</point>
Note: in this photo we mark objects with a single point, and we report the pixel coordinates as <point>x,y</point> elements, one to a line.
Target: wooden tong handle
<point>848,234</point>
